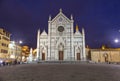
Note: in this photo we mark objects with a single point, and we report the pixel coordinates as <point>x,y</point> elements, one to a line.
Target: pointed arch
<point>78,52</point>
<point>43,52</point>
<point>60,41</point>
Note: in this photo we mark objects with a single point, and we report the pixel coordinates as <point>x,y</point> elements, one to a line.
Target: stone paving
<point>60,72</point>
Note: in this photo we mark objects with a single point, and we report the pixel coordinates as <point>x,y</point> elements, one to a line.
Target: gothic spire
<point>83,32</point>
<point>38,31</point>
<point>49,17</point>
<point>60,10</point>
<point>77,29</point>
<point>71,17</point>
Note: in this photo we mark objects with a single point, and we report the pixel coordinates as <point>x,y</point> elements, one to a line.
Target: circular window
<point>60,28</point>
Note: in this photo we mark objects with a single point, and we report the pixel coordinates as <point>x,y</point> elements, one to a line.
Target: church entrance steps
<point>63,62</point>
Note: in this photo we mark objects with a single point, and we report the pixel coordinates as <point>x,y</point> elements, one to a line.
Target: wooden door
<point>106,59</point>
<point>43,56</point>
<point>60,55</point>
<point>78,56</point>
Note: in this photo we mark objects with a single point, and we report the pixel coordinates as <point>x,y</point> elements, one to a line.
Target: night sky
<point>100,18</point>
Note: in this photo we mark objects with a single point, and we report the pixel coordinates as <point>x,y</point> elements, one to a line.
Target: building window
<point>5,45</point>
<point>4,51</point>
<point>5,38</point>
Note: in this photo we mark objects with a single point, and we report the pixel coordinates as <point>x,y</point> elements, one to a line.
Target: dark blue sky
<point>100,18</point>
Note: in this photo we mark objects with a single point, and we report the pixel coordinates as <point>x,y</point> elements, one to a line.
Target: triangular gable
<point>43,33</point>
<point>60,14</point>
<point>77,33</point>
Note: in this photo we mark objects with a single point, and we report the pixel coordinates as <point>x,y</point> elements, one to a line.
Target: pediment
<point>61,18</point>
<point>44,33</point>
<point>78,33</point>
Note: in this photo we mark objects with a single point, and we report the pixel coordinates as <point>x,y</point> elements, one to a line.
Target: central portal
<point>61,52</point>
<point>60,55</point>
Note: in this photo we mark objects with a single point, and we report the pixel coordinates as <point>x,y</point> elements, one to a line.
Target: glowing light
<point>1,61</point>
<point>13,42</point>
<point>20,42</point>
<point>103,47</point>
<point>12,56</point>
<point>116,40</point>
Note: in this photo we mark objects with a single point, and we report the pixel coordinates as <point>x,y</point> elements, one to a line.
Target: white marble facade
<point>61,43</point>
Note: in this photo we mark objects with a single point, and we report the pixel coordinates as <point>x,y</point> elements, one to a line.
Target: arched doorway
<point>78,54</point>
<point>61,52</point>
<point>43,54</point>
<point>106,57</point>
<point>60,55</point>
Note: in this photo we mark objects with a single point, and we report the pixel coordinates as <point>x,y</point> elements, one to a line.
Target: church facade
<point>61,43</point>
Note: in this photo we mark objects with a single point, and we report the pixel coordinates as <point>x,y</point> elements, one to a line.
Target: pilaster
<point>38,44</point>
<point>84,54</point>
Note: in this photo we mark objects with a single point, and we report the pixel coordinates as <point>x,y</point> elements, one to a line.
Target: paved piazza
<point>60,72</point>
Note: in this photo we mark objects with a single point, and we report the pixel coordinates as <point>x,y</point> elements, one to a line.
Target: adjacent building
<point>15,50</point>
<point>111,55</point>
<point>61,43</point>
<point>4,43</point>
